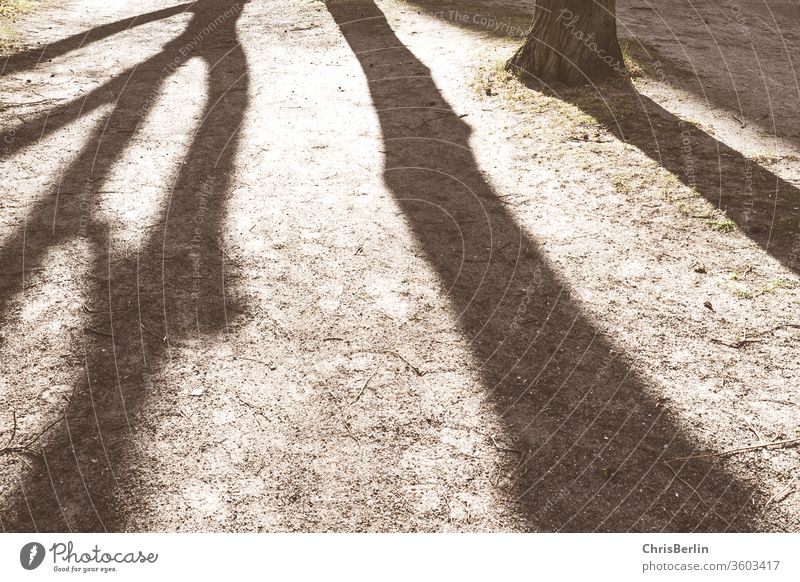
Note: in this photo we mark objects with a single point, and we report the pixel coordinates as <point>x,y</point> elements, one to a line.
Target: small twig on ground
<point>504,449</point>
<point>350,431</point>
<point>24,460</point>
<point>13,430</point>
<point>696,492</point>
<point>783,493</point>
<point>186,415</point>
<point>219,246</point>
<point>152,333</point>
<point>523,460</point>
<point>17,451</point>
<point>238,357</point>
<point>416,370</point>
<point>97,331</point>
<point>753,337</point>
<point>785,443</point>
<point>260,467</point>
<point>736,345</point>
<point>364,387</point>
<point>46,99</point>
<point>752,429</point>
<point>256,409</point>
<point>23,104</point>
<point>27,446</point>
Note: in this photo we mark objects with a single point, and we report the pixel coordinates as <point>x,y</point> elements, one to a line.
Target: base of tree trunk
<point>571,41</point>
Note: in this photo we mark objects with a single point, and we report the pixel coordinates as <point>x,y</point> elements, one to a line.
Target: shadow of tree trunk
<point>143,305</point>
<point>763,205</point>
<point>591,436</point>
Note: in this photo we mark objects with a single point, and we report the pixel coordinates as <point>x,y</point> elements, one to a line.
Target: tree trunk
<point>571,41</point>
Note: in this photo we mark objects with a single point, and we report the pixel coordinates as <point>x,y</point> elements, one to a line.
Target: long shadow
<point>140,307</point>
<point>763,205</point>
<point>30,58</point>
<point>591,436</point>
<point>148,76</point>
<point>735,58</point>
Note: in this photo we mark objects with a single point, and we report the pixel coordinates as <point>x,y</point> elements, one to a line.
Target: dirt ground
<point>306,266</point>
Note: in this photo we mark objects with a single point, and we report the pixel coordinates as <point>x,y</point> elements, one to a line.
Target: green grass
<point>637,61</point>
<point>773,286</point>
<point>12,8</point>
<point>723,224</point>
<point>9,11</point>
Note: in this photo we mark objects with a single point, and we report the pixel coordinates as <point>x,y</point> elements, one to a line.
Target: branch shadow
<point>592,437</point>
<point>172,291</point>
<point>28,59</point>
<point>148,76</point>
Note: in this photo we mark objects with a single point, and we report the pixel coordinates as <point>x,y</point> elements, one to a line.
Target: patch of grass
<point>773,286</point>
<point>723,224</point>
<point>9,11</point>
<point>645,61</point>
<point>622,186</point>
<point>12,8</point>
<point>764,159</point>
<point>637,61</point>
<point>492,81</point>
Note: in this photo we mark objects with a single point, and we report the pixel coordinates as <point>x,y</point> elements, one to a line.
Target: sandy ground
<point>289,266</point>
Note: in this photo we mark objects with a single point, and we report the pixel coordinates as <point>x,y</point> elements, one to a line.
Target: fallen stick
<point>504,449</point>
<point>783,493</point>
<point>753,337</point>
<point>18,451</point>
<point>696,492</point>
<point>364,387</point>
<point>416,370</point>
<point>13,430</point>
<point>738,344</point>
<point>44,431</point>
<point>739,450</point>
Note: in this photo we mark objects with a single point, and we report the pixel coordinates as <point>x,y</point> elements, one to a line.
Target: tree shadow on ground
<point>591,437</point>
<point>28,59</point>
<point>729,56</point>
<point>140,307</point>
<point>763,205</point>
<point>733,60</point>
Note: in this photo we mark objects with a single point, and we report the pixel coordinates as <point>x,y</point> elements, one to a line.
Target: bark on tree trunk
<point>571,41</point>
